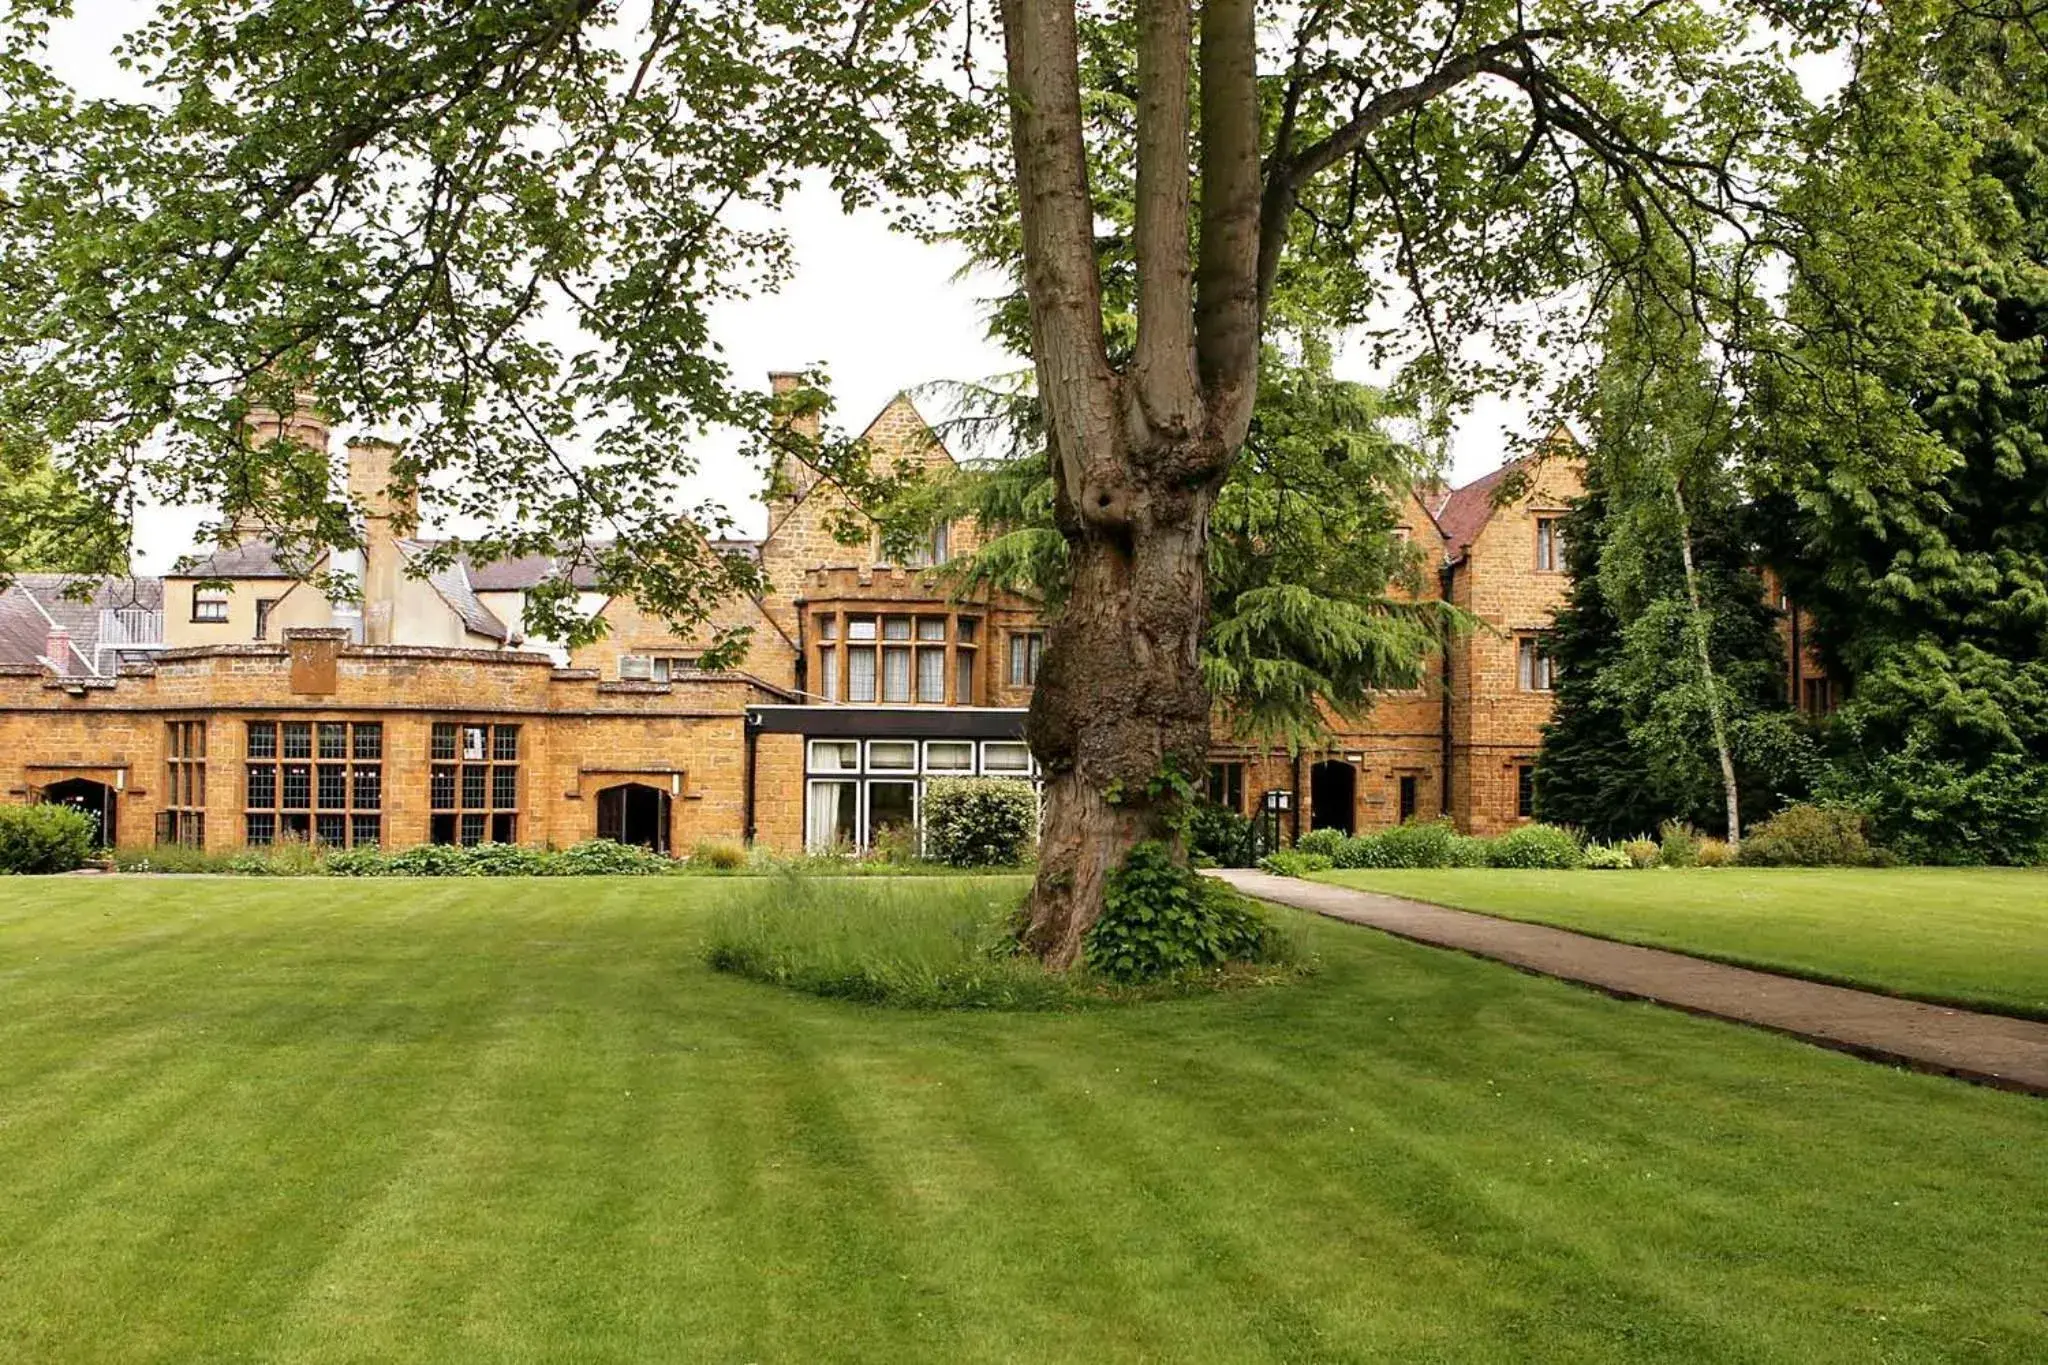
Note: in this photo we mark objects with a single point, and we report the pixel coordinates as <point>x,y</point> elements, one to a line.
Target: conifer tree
<point>1906,440</point>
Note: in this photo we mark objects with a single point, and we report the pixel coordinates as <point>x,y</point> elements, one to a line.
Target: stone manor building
<point>231,704</point>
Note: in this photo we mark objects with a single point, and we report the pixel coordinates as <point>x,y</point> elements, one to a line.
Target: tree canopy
<point>1903,437</point>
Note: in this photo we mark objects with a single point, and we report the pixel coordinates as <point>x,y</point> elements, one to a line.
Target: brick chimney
<point>58,650</point>
<point>391,512</point>
<point>305,427</point>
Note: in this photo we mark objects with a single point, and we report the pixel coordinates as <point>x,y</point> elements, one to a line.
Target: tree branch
<point>1227,296</point>
<point>1062,286</point>
<point>1284,178</point>
<point>1163,371</point>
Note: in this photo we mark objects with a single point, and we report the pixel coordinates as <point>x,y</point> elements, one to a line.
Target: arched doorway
<point>1333,795</point>
<point>96,799</point>
<point>634,813</point>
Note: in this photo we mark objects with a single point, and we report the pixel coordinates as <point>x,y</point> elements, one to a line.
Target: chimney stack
<point>390,514</point>
<point>304,427</point>
<point>790,479</point>
<point>57,650</point>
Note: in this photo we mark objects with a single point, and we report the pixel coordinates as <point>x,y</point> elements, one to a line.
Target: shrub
<point>1423,843</point>
<point>1323,843</point>
<point>1220,835</point>
<point>1536,846</point>
<point>1680,844</point>
<point>713,855</point>
<point>1161,919</point>
<point>608,858</point>
<point>1287,862</point>
<point>426,860</point>
<point>1364,851</point>
<point>979,821</point>
<point>369,861</point>
<point>1715,853</point>
<point>1643,852</point>
<point>1608,857</point>
<point>1810,836</point>
<point>507,860</point>
<point>38,839</point>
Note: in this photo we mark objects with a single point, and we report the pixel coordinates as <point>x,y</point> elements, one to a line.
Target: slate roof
<point>34,602</point>
<point>250,559</point>
<point>454,586</point>
<point>530,571</point>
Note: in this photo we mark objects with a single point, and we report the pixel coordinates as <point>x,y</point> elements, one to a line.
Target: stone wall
<point>578,734</point>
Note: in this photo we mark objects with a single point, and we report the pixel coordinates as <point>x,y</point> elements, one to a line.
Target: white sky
<point>881,312</point>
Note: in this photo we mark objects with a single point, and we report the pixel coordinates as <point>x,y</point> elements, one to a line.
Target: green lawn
<point>1975,936</point>
<point>519,1121</point>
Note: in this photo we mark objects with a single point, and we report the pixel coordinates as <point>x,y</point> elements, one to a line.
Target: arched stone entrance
<point>1333,796</point>
<point>634,813</point>
<point>96,799</point>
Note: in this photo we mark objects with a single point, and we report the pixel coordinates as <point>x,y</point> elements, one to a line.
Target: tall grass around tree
<point>943,943</point>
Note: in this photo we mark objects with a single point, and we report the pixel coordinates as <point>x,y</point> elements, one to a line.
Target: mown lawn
<point>520,1121</point>
<point>1969,936</point>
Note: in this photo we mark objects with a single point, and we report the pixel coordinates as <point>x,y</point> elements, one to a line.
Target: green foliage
<point>1220,836</point>
<point>1608,857</point>
<point>1323,842</point>
<point>47,525</point>
<point>351,201</point>
<point>1631,742</point>
<point>1644,852</point>
<point>1287,862</point>
<point>44,838</point>
<point>979,821</point>
<point>1160,920</point>
<point>1810,836</point>
<point>1419,843</point>
<point>1678,844</point>
<point>1903,440</point>
<point>1535,846</point>
<point>931,945</point>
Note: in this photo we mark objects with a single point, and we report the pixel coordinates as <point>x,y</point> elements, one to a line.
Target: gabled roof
<point>1464,512</point>
<point>453,585</point>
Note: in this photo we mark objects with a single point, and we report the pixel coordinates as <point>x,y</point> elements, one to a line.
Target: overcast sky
<point>881,312</point>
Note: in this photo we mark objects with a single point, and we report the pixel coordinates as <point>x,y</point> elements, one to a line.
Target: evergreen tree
<point>1907,441</point>
<point>1588,774</point>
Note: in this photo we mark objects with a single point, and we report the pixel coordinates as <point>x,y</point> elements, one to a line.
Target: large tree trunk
<point>1120,718</point>
<point>1120,706</point>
